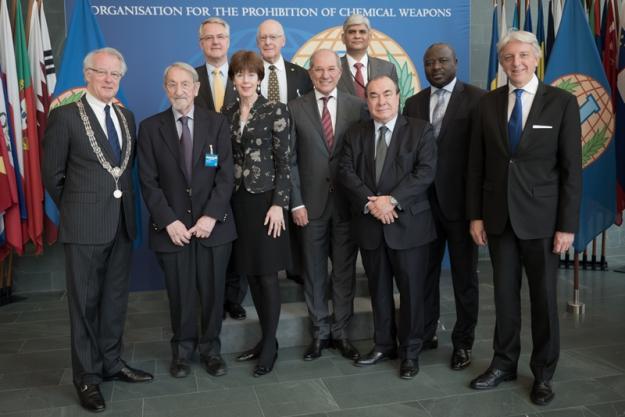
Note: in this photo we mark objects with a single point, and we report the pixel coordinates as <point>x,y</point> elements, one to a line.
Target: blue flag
<point>575,66</point>
<point>493,60</point>
<point>620,126</point>
<point>527,26</point>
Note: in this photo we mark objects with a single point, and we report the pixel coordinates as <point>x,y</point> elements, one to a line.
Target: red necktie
<point>326,122</point>
<point>360,81</point>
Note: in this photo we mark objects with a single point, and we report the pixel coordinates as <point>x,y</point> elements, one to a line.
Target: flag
<point>594,20</point>
<point>516,18</point>
<point>557,15</point>
<point>528,17</point>
<point>575,66</point>
<point>502,78</point>
<point>551,32</point>
<point>540,36</point>
<point>493,60</point>
<point>620,122</point>
<point>604,25</point>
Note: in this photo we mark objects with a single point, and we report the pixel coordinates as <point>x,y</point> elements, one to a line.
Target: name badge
<point>211,159</point>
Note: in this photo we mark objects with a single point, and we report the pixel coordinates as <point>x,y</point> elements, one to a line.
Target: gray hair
<point>88,61</point>
<point>356,19</point>
<point>216,20</point>
<point>183,66</point>
<point>314,54</point>
<point>520,36</point>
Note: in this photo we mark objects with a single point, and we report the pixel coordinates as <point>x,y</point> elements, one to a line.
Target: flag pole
<point>576,306</point>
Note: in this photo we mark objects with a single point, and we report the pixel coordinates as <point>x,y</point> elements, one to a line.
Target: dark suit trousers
<point>236,288</point>
<point>97,294</point>
<point>409,268</point>
<point>509,255</point>
<point>328,237</point>
<point>463,260</point>
<point>196,274</point>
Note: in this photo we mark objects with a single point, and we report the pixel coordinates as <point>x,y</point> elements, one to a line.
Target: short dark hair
<point>379,77</point>
<point>246,61</point>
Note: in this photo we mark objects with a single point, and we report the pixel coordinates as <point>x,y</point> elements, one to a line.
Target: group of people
<point>261,166</point>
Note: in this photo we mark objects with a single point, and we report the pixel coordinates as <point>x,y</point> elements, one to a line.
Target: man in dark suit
<point>523,197</point>
<point>358,66</point>
<point>320,120</point>
<point>386,167</point>
<point>448,104</point>
<point>88,151</point>
<point>283,81</point>
<point>187,178</point>
<point>217,92</point>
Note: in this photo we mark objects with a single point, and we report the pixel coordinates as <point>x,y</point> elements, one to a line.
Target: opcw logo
<point>595,113</point>
<point>71,96</point>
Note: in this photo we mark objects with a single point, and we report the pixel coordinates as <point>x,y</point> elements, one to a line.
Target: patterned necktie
<point>218,90</point>
<point>359,81</point>
<point>380,152</point>
<point>326,122</point>
<point>273,89</point>
<point>439,111</point>
<point>515,124</point>
<point>112,135</point>
<point>186,147</point>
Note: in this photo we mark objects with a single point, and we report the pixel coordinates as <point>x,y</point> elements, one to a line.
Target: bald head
<point>270,40</point>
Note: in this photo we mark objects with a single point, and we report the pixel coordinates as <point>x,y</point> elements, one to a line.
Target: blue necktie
<point>112,135</point>
<point>515,124</point>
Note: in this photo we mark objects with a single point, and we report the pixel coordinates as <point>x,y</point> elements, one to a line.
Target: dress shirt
<point>434,97</point>
<point>178,115</point>
<point>390,125</point>
<point>331,107</point>
<point>98,109</point>
<point>365,65</point>
<point>527,98</point>
<point>281,73</point>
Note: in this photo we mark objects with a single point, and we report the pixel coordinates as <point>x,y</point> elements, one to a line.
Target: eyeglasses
<point>116,75</point>
<point>221,37</point>
<point>271,38</point>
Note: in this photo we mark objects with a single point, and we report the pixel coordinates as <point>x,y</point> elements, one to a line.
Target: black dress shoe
<point>214,365</point>
<point>235,310</point>
<point>248,355</point>
<point>260,370</point>
<point>430,344</point>
<point>542,393</point>
<point>128,374</point>
<point>408,368</point>
<point>90,397</point>
<point>346,348</point>
<point>460,359</point>
<point>374,357</point>
<point>295,278</point>
<point>314,349</point>
<point>179,368</point>
<point>491,378</point>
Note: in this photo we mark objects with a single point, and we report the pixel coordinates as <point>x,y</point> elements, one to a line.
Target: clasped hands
<point>382,209</point>
<point>181,236</point>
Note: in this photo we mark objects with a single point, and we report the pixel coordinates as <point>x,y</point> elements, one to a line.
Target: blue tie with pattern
<point>112,135</point>
<point>515,124</point>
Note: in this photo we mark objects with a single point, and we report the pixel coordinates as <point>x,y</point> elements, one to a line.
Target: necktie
<point>112,135</point>
<point>326,122</point>
<point>360,81</point>
<point>273,89</point>
<point>515,124</point>
<point>380,152</point>
<point>439,111</point>
<point>186,147</point>
<point>218,90</point>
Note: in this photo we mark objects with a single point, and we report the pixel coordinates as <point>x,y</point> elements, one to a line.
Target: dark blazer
<point>452,144</point>
<point>315,167</point>
<point>205,96</point>
<point>262,152</point>
<point>408,172</point>
<point>297,81</point>
<point>78,184</point>
<point>166,193</point>
<point>375,67</point>
<point>539,187</point>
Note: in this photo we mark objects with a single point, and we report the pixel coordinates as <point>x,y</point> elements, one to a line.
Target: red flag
<point>610,51</point>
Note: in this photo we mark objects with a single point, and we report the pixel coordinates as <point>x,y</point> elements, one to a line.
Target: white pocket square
<point>542,127</point>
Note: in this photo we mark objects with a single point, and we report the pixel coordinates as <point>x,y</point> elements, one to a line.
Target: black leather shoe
<point>542,393</point>
<point>346,348</point>
<point>179,368</point>
<point>90,397</point>
<point>430,344</point>
<point>491,378</point>
<point>460,359</point>
<point>235,310</point>
<point>214,365</point>
<point>128,374</point>
<point>260,370</point>
<point>248,355</point>
<point>295,278</point>
<point>374,357</point>
<point>408,368</point>
<point>314,349</point>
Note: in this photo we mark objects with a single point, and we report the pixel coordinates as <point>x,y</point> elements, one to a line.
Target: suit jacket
<point>538,188</point>
<point>166,192</point>
<point>205,96</point>
<point>297,81</point>
<point>452,145</point>
<point>314,166</point>
<point>408,171</point>
<point>375,67</point>
<point>262,152</point>
<point>80,187</point>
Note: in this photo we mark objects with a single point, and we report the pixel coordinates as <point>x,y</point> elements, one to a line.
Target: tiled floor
<point>35,379</point>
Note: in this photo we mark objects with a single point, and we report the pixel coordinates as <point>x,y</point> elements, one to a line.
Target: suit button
<point>331,189</point>
<point>511,161</point>
<point>189,211</point>
<point>327,179</point>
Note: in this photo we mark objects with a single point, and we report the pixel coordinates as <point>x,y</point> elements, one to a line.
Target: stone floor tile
<point>295,397</point>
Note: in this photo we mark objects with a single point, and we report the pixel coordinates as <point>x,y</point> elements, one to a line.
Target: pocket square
<point>542,127</point>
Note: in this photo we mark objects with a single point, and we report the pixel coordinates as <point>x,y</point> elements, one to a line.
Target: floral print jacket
<point>262,151</point>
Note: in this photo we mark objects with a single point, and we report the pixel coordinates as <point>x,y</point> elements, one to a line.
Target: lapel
<point>169,135</point>
<point>368,141</point>
<point>347,76</point>
<point>312,111</point>
<point>230,95</point>
<point>200,138</point>
<point>342,123</point>
<point>126,141</point>
<point>452,108</point>
<point>206,92</point>
<point>99,134</point>
<point>423,105</point>
<point>535,110</point>
<point>391,153</point>
<point>372,68</point>
<point>501,111</point>
<point>291,87</point>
